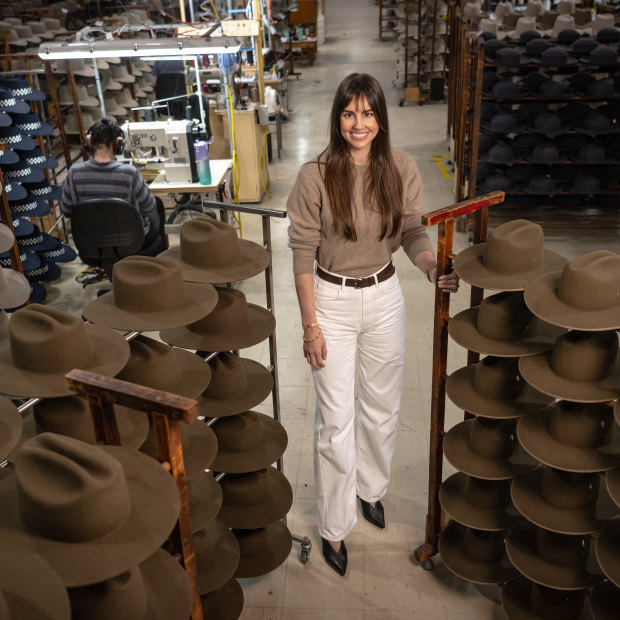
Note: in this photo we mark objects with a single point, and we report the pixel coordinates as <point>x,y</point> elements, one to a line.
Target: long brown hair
<point>383,182</point>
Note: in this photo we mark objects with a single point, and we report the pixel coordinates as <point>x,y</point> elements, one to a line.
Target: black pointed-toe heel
<point>336,559</point>
<point>373,514</point>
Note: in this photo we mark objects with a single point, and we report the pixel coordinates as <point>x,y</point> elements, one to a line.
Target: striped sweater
<point>110,179</point>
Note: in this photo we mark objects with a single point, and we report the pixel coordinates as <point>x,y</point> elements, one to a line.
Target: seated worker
<point>103,177</point>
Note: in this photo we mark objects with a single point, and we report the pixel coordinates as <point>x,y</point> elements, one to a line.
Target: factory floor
<point>383,580</point>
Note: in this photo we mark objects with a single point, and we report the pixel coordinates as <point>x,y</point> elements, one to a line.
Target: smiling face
<point>359,127</point>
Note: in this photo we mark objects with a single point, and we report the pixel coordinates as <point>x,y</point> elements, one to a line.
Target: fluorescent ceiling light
<point>127,48</point>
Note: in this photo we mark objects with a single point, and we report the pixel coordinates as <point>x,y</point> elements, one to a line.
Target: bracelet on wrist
<point>319,332</point>
<point>308,325</point>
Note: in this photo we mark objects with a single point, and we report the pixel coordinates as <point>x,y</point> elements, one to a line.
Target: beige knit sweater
<point>312,235</point>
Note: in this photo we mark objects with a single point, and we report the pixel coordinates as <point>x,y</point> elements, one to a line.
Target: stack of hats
<point>529,494</point>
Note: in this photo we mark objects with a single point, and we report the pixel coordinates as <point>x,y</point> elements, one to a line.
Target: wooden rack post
<point>444,218</point>
<point>167,411</point>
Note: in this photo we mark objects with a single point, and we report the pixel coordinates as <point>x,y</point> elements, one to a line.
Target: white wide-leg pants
<point>353,449</point>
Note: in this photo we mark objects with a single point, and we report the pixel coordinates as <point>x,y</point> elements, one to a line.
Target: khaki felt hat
<point>494,388</point>
<point>560,561</point>
<point>29,587</point>
<point>10,427</point>
<point>479,504</point>
<point>211,251</point>
<point>573,437</point>
<point>14,288</point>
<point>503,326</point>
<point>512,256</point>
<point>236,385</point>
<point>217,556</point>
<point>583,367</point>
<point>262,550</point>
<point>46,343</point>
<point>563,502</point>
<point>7,238</point>
<point>255,499</point>
<point>604,601</point>
<point>247,442</point>
<point>608,550</point>
<point>225,603</point>
<point>488,449</point>
<point>91,511</point>
<point>523,599</point>
<point>476,555</point>
<point>585,295</point>
<point>157,589</point>
<point>149,294</point>
<point>232,324</point>
<point>204,495</point>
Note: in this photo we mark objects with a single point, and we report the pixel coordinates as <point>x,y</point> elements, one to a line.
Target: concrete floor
<point>383,581</point>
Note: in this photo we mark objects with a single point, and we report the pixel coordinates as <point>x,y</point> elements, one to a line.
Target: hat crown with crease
<point>504,317</point>
<point>146,284</point>
<point>246,490</point>
<point>552,604</point>
<point>492,439</point>
<point>514,247</point>
<point>228,377</point>
<point>567,490</point>
<point>580,425</point>
<point>66,491</point>
<point>486,494</point>
<point>239,433</point>
<point>592,282</point>
<point>484,547</point>
<point>230,315</point>
<point>151,363</point>
<point>206,243</point>
<point>561,549</point>
<point>584,356</point>
<point>45,339</point>
<point>498,378</point>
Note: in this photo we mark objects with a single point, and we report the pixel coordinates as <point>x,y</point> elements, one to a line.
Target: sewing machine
<point>170,143</point>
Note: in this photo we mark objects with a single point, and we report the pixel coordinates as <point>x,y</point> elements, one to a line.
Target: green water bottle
<point>202,162</point>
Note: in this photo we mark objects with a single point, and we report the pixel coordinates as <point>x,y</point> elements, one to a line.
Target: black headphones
<point>102,125</point>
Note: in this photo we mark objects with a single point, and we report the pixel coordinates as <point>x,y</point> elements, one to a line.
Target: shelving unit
<point>387,19</point>
<point>305,18</point>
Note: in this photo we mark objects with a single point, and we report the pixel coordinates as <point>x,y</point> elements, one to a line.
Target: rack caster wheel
<point>304,556</point>
<point>428,565</point>
<point>400,104</point>
<point>306,547</point>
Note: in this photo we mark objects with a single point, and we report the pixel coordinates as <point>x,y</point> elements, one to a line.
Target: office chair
<point>108,229</point>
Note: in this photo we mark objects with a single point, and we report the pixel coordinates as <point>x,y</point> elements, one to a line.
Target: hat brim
<point>154,509</point>
<point>599,132</point>
<point>54,192</point>
<point>217,556</point>
<point>204,496</point>
<point>7,238</point>
<point>17,192</point>
<point>7,156</point>
<point>279,543</point>
<point>542,299</point>
<point>260,326</point>
<point>47,243</point>
<point>19,107</point>
<point>530,562</point>
<point>6,121</point>
<point>259,386</point>
<point>16,291</point>
<point>541,336</point>
<point>110,354</point>
<point>607,550</point>
<point>454,502</point>
<point>10,426</point>
<point>60,253</point>
<point>31,206</point>
<point>253,260</point>
<point>604,601</point>
<point>460,390</point>
<point>526,496</point>
<point>225,603</point>
<point>268,451</point>
<point>465,567</point>
<point>518,127</point>
<point>201,300</point>
<point>570,61</point>
<point>457,451</point>
<point>537,371</point>
<point>534,436</point>
<point>612,482</point>
<point>547,162</point>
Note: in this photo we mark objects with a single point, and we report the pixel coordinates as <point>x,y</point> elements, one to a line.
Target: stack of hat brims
<point>538,464</point>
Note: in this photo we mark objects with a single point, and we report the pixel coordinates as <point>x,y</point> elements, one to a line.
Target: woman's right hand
<point>315,351</point>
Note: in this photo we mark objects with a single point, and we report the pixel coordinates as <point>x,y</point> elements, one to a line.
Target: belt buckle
<point>357,282</point>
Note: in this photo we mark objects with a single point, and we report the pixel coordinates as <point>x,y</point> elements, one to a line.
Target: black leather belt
<point>387,272</point>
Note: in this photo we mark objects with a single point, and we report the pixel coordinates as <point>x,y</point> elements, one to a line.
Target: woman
<point>350,210</point>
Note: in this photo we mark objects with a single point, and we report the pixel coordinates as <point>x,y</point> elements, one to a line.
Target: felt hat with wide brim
<point>248,441</point>
<point>608,550</point>
<point>232,324</point>
<point>237,385</point>
<point>585,295</point>
<point>512,256</point>
<point>488,449</point>
<point>503,326</point>
<point>479,504</point>
<point>583,367</point>
<point>493,388</point>
<point>612,482</point>
<point>149,294</point>
<point>7,238</point>
<point>225,603</point>
<point>157,589</point>
<point>262,550</point>
<point>217,556</point>
<point>604,601</point>
<point>553,560</point>
<point>29,587</point>
<point>46,343</point>
<point>14,288</point>
<point>476,555</point>
<point>10,427</point>
<point>523,599</point>
<point>204,495</point>
<point>255,499</point>
<point>572,437</point>
<point>91,511</point>
<point>563,502</point>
